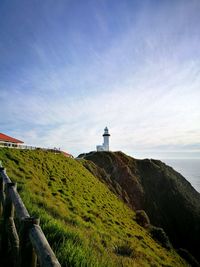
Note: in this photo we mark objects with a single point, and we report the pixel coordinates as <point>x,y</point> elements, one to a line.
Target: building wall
<point>100,148</point>
<point>106,143</point>
<point>8,144</point>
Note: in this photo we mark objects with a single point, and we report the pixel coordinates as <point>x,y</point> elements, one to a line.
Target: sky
<point>68,68</point>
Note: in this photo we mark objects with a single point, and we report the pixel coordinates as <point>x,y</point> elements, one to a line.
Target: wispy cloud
<point>136,72</point>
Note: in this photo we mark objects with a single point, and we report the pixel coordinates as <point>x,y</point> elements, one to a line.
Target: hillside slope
<point>167,197</point>
<point>86,224</point>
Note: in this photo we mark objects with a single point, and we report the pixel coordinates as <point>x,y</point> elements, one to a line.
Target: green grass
<point>84,222</point>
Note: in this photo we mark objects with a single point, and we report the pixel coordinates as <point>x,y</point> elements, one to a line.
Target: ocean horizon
<point>186,163</point>
<point>189,168</point>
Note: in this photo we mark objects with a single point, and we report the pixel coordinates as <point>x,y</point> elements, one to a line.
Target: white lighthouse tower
<point>106,136</point>
<point>105,146</point>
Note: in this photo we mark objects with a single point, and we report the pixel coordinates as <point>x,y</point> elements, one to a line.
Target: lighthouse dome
<point>106,133</point>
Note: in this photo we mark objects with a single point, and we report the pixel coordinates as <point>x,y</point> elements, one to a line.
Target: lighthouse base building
<point>105,145</point>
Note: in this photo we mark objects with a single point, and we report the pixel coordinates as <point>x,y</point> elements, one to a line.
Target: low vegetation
<point>85,223</point>
<point>159,235</point>
<point>150,185</point>
<point>142,218</point>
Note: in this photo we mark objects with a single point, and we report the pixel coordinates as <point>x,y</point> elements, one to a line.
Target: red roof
<point>7,138</point>
<point>67,154</point>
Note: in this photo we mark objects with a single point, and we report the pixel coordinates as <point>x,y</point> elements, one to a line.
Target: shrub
<point>159,235</point>
<point>124,250</point>
<point>142,218</point>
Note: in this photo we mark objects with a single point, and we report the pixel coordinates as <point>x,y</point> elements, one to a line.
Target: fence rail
<point>28,244</point>
<point>18,146</point>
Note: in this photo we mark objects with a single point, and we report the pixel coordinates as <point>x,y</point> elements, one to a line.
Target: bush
<point>142,218</point>
<point>159,235</point>
<point>124,250</point>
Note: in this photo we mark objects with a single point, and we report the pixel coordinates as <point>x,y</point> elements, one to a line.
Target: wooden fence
<point>22,239</point>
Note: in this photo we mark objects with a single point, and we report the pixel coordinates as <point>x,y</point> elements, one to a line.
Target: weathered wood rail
<point>22,239</point>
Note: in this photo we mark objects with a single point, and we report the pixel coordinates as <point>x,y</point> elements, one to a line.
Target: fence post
<point>8,211</point>
<point>8,206</point>
<point>1,206</point>
<point>28,257</point>
<point>14,241</point>
<point>12,236</point>
<point>1,192</point>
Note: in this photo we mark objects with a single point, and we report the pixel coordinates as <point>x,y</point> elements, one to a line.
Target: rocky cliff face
<point>167,197</point>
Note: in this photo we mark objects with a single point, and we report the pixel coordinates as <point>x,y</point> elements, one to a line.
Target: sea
<point>189,168</point>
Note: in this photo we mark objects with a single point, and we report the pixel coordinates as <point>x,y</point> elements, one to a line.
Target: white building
<point>105,146</point>
<point>8,141</point>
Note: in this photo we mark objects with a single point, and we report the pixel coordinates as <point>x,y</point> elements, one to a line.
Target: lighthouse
<point>105,146</point>
<point>106,136</point>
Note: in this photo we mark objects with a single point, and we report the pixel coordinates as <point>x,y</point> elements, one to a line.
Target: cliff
<point>167,197</point>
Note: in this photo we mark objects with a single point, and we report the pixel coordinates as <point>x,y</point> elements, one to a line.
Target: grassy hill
<point>167,197</point>
<point>85,223</point>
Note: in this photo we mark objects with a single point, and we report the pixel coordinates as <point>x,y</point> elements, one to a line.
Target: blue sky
<point>70,68</point>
